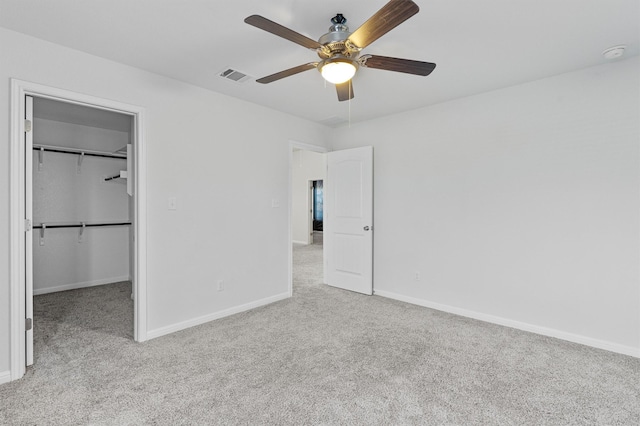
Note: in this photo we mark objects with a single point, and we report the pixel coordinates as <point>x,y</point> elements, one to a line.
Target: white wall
<point>200,151</point>
<point>61,194</point>
<point>307,166</point>
<point>517,206</point>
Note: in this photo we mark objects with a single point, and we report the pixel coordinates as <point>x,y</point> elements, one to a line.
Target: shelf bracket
<point>81,232</point>
<point>80,158</point>
<point>40,158</point>
<point>44,227</point>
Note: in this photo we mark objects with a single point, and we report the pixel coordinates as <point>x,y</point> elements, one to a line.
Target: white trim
<point>19,89</point>
<point>300,242</point>
<point>17,355</point>
<point>27,241</point>
<point>306,147</point>
<point>311,211</point>
<point>163,331</point>
<point>5,377</point>
<point>140,228</point>
<point>74,286</point>
<point>545,331</point>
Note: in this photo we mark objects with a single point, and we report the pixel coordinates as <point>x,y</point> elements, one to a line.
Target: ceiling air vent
<point>234,75</point>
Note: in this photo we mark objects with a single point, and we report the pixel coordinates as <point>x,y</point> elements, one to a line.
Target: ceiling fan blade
<point>396,64</point>
<point>284,32</point>
<point>287,73</point>
<point>345,91</point>
<point>390,16</point>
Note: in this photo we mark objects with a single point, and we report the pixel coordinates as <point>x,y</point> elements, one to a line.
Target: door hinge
<point>27,126</point>
<point>28,324</point>
<point>27,225</point>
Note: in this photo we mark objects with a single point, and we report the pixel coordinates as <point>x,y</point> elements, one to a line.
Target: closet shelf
<point>65,150</point>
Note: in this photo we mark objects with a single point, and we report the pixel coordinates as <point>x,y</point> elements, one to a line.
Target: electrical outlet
<point>220,285</point>
<point>416,276</point>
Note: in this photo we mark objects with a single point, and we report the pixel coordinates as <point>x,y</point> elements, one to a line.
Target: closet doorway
<point>77,167</point>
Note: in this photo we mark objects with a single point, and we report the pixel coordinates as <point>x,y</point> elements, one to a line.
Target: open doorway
<point>317,211</point>
<point>80,199</point>
<point>308,173</point>
<point>347,204</point>
<point>78,216</point>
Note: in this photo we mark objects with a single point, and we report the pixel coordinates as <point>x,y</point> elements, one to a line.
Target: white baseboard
<point>37,291</point>
<point>5,377</point>
<point>550,332</point>
<point>306,243</point>
<point>163,331</point>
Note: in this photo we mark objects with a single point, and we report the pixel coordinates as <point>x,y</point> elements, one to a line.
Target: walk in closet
<point>81,196</point>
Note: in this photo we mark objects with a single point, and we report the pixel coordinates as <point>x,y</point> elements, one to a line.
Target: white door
<point>28,211</point>
<point>348,245</point>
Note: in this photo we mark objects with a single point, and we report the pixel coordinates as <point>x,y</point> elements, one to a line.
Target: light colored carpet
<point>307,266</point>
<point>325,356</point>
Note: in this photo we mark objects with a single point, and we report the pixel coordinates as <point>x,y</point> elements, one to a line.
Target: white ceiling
<point>478,46</point>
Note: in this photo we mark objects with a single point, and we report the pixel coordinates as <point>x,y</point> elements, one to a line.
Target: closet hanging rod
<point>80,225</point>
<point>78,151</point>
<point>122,175</point>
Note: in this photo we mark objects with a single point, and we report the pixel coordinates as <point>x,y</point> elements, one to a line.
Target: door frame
<point>305,147</point>
<point>17,156</point>
<point>312,212</point>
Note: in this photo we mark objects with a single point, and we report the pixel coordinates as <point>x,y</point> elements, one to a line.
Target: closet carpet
<point>325,356</point>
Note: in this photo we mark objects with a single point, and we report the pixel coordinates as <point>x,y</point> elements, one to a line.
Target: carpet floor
<point>324,356</point>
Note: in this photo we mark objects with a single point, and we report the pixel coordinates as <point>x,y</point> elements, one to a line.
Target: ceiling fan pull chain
<point>350,106</point>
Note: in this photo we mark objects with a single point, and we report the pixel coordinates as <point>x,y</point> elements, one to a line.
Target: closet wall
<point>66,191</point>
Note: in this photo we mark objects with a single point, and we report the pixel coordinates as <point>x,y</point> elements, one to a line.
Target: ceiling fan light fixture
<point>338,70</point>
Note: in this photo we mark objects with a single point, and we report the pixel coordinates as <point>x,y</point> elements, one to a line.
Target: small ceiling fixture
<point>614,52</point>
<point>338,70</point>
<point>234,75</point>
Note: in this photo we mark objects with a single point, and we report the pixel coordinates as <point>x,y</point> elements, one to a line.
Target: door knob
<point>366,228</point>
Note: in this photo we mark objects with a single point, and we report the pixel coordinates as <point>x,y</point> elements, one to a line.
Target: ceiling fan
<point>339,49</point>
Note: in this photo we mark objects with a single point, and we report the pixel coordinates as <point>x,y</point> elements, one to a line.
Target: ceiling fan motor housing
<point>335,41</point>
<point>337,32</point>
<point>335,48</point>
